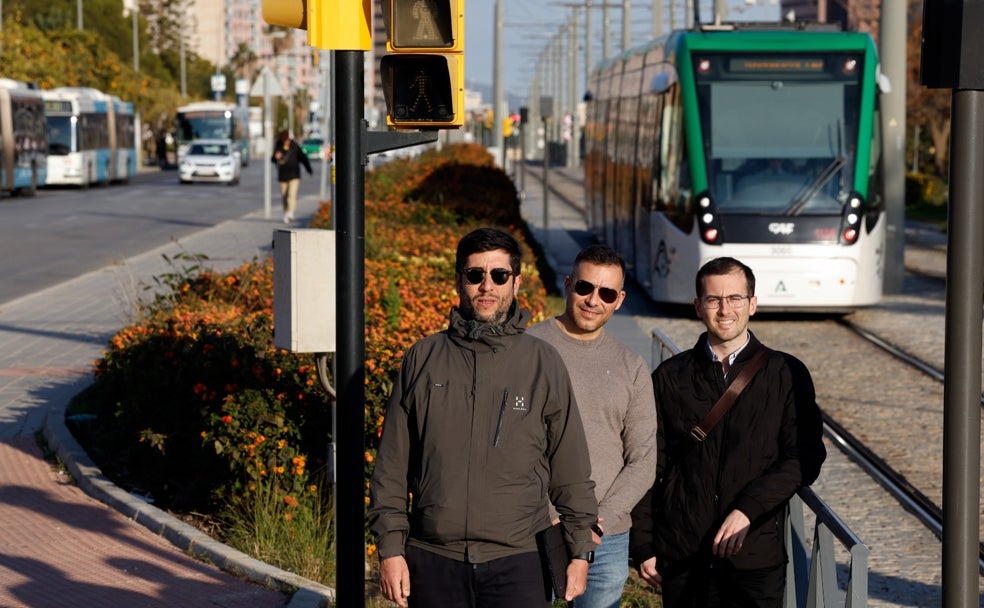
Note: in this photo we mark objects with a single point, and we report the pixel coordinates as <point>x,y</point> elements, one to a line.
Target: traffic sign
<point>266,84</point>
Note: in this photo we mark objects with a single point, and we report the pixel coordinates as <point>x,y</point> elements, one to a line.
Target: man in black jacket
<point>710,531</point>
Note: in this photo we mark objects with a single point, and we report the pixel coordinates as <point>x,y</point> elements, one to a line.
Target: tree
<point>167,22</point>
<point>243,61</point>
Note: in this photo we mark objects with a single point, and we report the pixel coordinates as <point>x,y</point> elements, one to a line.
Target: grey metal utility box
<point>304,290</point>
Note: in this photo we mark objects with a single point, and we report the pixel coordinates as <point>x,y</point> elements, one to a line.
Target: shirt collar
<point>732,356</point>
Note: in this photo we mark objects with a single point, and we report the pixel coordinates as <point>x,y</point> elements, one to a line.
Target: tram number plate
<point>782,251</point>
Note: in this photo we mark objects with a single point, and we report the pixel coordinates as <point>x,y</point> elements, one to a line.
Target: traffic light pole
<point>354,144</point>
<point>350,550</point>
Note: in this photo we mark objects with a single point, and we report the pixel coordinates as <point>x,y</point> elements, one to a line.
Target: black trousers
<point>439,582</point>
<point>717,584</point>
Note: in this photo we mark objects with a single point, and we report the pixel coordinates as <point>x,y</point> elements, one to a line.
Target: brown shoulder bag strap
<point>699,432</point>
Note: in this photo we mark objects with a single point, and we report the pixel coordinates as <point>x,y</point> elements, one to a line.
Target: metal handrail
<point>811,582</point>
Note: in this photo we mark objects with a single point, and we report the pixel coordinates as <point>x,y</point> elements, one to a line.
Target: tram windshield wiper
<point>798,204</point>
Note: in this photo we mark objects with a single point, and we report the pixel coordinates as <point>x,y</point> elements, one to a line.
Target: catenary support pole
<point>893,59</point>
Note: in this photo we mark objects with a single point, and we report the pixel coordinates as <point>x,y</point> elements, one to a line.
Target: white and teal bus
<point>90,137</point>
<point>23,140</point>
<point>213,120</point>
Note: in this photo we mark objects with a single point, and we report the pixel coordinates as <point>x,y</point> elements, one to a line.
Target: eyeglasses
<point>735,301</point>
<point>584,288</point>
<point>474,276</point>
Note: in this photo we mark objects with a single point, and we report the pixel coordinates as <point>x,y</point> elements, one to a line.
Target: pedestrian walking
<point>710,532</point>
<point>614,394</point>
<point>481,434</point>
<point>289,157</point>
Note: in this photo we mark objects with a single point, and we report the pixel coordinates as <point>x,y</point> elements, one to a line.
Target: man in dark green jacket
<point>481,432</point>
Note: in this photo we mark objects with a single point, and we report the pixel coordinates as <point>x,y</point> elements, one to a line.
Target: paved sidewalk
<point>92,544</point>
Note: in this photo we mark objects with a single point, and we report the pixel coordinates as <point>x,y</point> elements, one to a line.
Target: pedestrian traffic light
<point>336,25</point>
<point>423,73</point>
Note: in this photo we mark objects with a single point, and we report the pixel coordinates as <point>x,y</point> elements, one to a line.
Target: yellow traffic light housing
<point>424,73</point>
<point>336,25</point>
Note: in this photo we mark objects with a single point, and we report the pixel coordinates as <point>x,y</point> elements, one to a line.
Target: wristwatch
<point>588,557</point>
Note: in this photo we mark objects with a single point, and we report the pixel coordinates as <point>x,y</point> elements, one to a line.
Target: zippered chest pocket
<point>511,426</point>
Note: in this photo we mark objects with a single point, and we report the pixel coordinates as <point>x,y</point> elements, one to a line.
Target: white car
<point>210,160</point>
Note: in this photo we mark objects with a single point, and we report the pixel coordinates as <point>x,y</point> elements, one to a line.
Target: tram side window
<point>672,199</point>
<point>648,160</point>
<point>657,165</point>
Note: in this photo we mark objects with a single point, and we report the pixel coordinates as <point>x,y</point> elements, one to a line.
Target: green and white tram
<point>750,141</point>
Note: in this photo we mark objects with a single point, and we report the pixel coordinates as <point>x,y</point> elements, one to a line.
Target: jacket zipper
<point>502,414</point>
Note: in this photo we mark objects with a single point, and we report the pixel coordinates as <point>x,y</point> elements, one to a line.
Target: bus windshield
<point>213,120</point>
<point>779,131</point>
<point>204,125</point>
<point>60,135</point>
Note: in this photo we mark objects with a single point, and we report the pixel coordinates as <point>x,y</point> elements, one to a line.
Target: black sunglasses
<point>474,276</point>
<point>607,294</point>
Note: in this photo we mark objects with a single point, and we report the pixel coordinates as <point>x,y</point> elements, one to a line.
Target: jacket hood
<point>468,331</point>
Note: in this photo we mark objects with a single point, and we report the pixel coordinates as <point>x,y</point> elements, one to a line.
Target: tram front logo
<point>785,228</point>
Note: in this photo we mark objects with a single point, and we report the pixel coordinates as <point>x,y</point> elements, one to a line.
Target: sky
<point>528,26</point>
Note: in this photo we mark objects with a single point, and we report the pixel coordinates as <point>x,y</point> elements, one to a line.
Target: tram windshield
<point>779,131</point>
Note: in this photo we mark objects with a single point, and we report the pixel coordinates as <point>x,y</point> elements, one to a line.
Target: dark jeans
<point>716,584</point>
<point>440,582</point>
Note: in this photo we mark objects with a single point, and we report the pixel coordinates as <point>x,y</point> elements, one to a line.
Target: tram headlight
<point>707,219</point>
<point>851,222</point>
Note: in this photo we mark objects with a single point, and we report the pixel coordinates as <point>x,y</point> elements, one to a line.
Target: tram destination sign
<point>776,65</point>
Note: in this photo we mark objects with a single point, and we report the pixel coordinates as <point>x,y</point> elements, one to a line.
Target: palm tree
<point>243,61</point>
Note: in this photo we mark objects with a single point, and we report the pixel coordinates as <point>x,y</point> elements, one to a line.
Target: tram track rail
<point>911,498</point>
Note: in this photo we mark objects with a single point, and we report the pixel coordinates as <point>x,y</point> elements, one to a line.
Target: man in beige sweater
<point>614,393</point>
